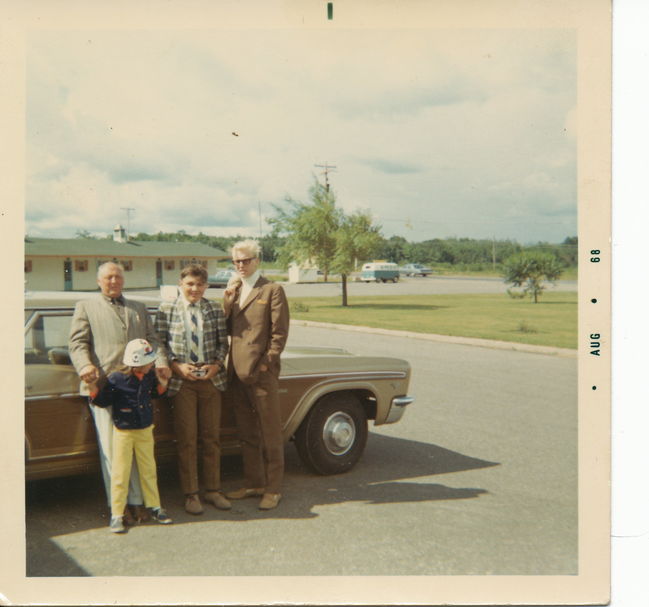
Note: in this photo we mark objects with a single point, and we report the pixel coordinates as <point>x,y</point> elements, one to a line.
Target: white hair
<point>105,266</point>
<point>249,246</point>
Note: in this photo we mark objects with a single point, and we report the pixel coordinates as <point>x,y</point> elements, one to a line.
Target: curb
<point>448,339</point>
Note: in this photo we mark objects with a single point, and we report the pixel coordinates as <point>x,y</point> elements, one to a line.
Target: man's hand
<point>163,373</point>
<point>89,374</point>
<point>185,370</point>
<point>212,370</point>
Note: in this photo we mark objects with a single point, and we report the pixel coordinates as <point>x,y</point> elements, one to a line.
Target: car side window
<point>46,339</point>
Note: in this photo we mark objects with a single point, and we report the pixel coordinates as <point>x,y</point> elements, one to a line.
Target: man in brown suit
<point>258,318</point>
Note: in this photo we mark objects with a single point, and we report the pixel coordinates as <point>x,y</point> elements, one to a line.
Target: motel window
<point>170,264</point>
<point>28,265</point>
<point>194,261</point>
<point>127,264</point>
<point>81,265</point>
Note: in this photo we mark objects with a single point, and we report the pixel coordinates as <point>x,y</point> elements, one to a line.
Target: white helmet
<point>138,353</point>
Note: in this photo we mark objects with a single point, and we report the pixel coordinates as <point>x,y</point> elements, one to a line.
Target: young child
<point>130,394</point>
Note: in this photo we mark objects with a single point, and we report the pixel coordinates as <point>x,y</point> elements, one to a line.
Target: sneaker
<point>117,524</point>
<point>159,515</point>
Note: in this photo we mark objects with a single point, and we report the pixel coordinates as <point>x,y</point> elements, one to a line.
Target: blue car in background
<point>415,269</point>
<point>220,279</point>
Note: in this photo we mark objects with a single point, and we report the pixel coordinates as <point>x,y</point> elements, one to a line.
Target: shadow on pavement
<point>379,478</point>
<point>63,506</point>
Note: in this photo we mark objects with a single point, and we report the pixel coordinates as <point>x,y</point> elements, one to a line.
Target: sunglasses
<point>243,262</point>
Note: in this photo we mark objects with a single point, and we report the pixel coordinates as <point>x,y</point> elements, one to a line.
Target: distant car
<point>327,396</point>
<point>415,269</point>
<point>220,279</point>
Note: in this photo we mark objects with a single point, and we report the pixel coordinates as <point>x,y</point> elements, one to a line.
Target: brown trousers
<point>197,415</point>
<point>258,415</point>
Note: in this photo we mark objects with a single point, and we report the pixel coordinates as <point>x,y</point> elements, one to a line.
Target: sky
<point>438,133</point>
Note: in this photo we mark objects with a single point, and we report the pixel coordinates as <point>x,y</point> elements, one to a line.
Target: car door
<point>59,434</point>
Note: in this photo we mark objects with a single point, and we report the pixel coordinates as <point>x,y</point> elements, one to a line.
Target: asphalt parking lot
<point>479,477</point>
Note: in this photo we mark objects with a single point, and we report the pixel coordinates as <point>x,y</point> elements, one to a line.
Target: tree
<point>530,270</point>
<point>309,228</point>
<point>85,234</point>
<point>356,239</point>
<point>321,233</point>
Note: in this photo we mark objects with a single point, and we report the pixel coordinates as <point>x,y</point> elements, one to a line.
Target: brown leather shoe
<point>128,519</point>
<point>141,514</point>
<point>239,494</point>
<point>218,499</point>
<point>269,501</point>
<point>193,504</point>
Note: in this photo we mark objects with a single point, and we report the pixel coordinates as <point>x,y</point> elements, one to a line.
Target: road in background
<point>429,285</point>
<point>479,477</point>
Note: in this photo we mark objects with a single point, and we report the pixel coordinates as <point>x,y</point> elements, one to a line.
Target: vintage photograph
<point>305,297</point>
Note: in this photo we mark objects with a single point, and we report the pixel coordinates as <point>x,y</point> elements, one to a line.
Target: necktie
<point>193,345</point>
<point>118,304</point>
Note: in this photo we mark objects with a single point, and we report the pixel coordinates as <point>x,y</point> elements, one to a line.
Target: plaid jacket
<point>170,327</point>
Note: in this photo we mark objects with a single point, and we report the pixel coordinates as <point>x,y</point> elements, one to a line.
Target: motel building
<point>70,264</point>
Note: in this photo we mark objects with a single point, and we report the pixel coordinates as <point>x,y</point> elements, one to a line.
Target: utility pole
<point>259,207</point>
<point>327,167</point>
<point>493,252</point>
<point>128,221</point>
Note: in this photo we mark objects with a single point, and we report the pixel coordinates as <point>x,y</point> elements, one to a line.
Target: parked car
<point>380,272</point>
<point>415,269</point>
<point>220,279</point>
<point>327,396</point>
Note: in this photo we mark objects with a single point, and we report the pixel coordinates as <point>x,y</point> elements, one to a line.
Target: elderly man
<point>258,320</point>
<point>100,329</point>
<point>194,341</point>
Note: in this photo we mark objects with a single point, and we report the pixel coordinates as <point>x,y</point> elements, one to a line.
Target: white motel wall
<point>54,265</point>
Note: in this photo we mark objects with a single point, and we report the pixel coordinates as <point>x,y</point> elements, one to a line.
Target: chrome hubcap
<point>339,433</point>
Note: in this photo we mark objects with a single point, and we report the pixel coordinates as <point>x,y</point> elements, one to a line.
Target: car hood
<point>321,360</point>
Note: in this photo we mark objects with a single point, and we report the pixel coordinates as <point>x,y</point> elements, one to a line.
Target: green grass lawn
<point>551,322</point>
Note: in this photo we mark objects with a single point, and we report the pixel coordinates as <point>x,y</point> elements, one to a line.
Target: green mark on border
<point>330,10</point>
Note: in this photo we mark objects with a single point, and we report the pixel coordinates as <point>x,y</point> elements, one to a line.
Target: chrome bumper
<point>397,407</point>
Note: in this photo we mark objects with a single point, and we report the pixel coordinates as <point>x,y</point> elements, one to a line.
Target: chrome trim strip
<point>402,401</point>
<point>57,456</point>
<point>349,375</point>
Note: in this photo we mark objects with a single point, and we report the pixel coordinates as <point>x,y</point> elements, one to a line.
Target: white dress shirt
<point>247,283</point>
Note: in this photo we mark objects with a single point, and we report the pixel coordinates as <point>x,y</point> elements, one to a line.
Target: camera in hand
<point>199,371</point>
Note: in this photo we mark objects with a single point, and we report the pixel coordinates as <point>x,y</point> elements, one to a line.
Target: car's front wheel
<point>332,437</point>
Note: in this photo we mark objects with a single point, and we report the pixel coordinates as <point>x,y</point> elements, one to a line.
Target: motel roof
<point>88,247</point>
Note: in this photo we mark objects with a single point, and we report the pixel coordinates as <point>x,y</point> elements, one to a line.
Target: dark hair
<point>193,269</point>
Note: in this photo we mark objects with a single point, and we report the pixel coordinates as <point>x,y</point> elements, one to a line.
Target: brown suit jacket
<point>258,329</point>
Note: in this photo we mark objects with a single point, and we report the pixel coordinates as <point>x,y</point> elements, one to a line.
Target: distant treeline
<point>469,253</point>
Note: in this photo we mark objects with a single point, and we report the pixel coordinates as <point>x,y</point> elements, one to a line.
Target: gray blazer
<point>98,335</point>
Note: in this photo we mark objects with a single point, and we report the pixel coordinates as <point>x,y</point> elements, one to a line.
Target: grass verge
<point>551,322</point>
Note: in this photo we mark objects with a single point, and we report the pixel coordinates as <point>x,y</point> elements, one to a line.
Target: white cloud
<point>434,128</point>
